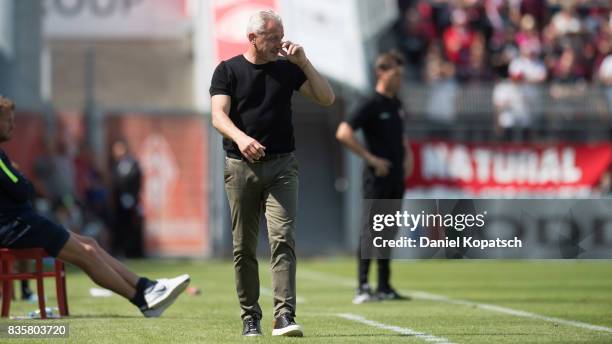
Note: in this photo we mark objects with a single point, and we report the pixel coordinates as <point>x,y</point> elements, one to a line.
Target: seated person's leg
<point>32,230</point>
<point>26,292</point>
<point>86,255</point>
<point>130,277</point>
<point>152,298</point>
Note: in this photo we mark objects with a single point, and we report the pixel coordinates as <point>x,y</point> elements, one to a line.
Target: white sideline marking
<point>268,292</point>
<point>499,309</point>
<point>402,330</point>
<point>314,275</point>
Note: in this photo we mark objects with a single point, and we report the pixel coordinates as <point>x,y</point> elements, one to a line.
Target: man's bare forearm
<point>225,126</point>
<point>346,136</point>
<point>320,88</point>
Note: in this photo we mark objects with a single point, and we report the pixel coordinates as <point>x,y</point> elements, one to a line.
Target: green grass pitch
<point>453,301</point>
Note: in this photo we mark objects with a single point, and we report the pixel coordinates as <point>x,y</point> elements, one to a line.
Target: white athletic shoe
<point>161,295</point>
<point>364,294</point>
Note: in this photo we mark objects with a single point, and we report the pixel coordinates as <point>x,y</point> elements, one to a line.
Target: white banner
<point>333,34</point>
<point>116,19</point>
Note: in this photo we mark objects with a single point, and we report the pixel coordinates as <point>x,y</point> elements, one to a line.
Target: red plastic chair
<point>7,276</point>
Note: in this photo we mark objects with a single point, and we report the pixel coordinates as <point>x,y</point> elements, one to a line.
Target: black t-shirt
<point>381,120</point>
<point>260,100</point>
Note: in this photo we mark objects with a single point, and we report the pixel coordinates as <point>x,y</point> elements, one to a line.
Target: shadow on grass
<point>356,335</point>
<point>102,316</point>
<point>487,334</point>
<point>411,335</point>
<point>123,316</point>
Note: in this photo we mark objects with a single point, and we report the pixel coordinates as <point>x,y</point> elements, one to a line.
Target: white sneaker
<point>363,298</point>
<point>364,294</point>
<point>161,295</point>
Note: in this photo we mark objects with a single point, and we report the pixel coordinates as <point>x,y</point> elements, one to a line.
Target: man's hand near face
<point>294,53</point>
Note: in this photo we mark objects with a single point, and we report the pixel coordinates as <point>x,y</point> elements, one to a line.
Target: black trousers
<point>128,239</point>
<point>378,188</point>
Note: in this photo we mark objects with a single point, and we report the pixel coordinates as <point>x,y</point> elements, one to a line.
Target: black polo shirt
<point>381,120</point>
<point>260,100</point>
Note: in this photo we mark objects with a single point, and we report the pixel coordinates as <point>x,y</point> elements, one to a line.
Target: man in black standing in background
<point>381,119</point>
<point>127,184</point>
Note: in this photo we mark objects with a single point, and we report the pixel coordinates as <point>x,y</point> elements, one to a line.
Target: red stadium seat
<point>7,276</point>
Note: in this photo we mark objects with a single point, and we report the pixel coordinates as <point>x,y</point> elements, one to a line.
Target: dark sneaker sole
<point>394,298</point>
<point>252,335</point>
<point>289,331</point>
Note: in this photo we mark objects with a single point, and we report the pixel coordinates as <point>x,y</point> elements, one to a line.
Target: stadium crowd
<point>478,40</point>
<point>531,52</point>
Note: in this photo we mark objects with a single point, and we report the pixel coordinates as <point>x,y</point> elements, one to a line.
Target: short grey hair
<point>258,21</point>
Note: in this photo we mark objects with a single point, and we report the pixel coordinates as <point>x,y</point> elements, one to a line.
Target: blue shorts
<point>29,230</point>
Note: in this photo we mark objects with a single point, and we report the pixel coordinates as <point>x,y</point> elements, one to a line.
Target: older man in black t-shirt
<point>251,107</point>
<point>381,119</point>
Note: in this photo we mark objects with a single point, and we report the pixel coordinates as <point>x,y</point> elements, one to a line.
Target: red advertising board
<point>515,168</point>
<point>173,154</point>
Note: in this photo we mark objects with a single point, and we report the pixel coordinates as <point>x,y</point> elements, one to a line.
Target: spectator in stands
<point>528,65</point>
<point>605,77</point>
<point>458,39</point>
<point>566,21</point>
<point>530,70</point>
<point>417,31</point>
<point>512,114</point>
<point>55,181</point>
<point>54,168</point>
<point>604,187</point>
<point>440,76</point>
<point>529,39</point>
<point>476,16</point>
<point>503,50</point>
<point>477,69</point>
<point>568,83</point>
<point>93,195</point>
<point>83,165</point>
<point>536,9</point>
<point>493,15</point>
<point>603,40</point>
<point>528,35</point>
<point>595,19</point>
<point>514,12</point>
<point>441,15</point>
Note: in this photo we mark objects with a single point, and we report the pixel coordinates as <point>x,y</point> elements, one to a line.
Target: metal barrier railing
<point>450,101</point>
